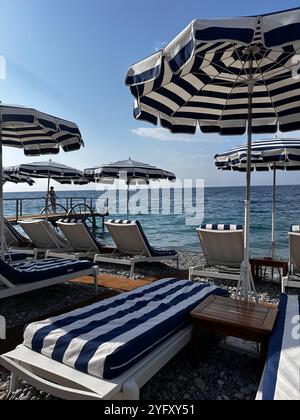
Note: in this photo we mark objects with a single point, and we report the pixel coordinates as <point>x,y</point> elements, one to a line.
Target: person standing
<point>52,198</point>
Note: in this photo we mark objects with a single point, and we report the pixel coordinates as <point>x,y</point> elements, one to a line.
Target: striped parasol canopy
<point>54,170</point>
<point>202,77</point>
<point>36,133</point>
<point>131,171</point>
<point>17,179</point>
<point>278,153</point>
<point>60,173</point>
<point>227,76</point>
<point>129,168</point>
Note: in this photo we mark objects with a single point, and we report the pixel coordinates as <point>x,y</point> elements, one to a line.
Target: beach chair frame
<point>67,383</point>
<point>293,277</point>
<point>14,290</point>
<point>226,269</point>
<point>120,256</point>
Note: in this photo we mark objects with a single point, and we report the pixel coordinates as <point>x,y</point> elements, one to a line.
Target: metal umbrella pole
<point>246,288</point>
<point>2,249</point>
<point>273,246</point>
<point>47,194</point>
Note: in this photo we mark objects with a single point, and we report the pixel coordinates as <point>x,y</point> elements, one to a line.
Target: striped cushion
<point>281,379</point>
<point>107,338</point>
<point>221,227</point>
<point>155,252</point>
<point>34,271</point>
<point>295,229</point>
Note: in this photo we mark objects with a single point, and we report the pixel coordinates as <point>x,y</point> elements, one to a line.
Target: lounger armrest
<point>62,255</point>
<point>49,387</point>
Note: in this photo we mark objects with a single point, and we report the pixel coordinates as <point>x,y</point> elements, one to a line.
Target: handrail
<point>68,202</point>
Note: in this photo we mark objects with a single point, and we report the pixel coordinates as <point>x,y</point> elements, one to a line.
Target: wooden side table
<point>257,263</point>
<point>235,318</point>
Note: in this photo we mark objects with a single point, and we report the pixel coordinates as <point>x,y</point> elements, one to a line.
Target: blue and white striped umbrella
<point>17,179</point>
<point>129,170</point>
<point>36,133</point>
<point>46,169</point>
<point>132,169</point>
<point>266,155</point>
<point>226,76</point>
<point>60,173</point>
<point>278,153</point>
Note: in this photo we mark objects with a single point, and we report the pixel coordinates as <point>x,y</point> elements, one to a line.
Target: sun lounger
<point>17,242</point>
<point>24,277</point>
<point>281,377</point>
<point>132,246</point>
<point>110,349</point>
<point>223,249</point>
<point>44,236</point>
<point>81,238</point>
<point>293,278</point>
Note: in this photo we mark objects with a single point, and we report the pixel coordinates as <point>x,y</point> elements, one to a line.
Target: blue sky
<point>70,57</point>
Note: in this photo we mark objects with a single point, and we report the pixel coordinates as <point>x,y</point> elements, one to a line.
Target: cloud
<point>161,134</point>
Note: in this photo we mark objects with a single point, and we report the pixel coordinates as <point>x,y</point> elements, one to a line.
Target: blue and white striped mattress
<point>107,338</point>
<point>281,379</point>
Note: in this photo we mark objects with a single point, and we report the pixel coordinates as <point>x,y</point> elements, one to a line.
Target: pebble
<point>234,373</point>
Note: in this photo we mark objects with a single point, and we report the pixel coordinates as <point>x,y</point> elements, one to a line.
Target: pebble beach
<point>221,375</point>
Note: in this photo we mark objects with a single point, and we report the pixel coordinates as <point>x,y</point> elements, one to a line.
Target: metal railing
<point>18,205</point>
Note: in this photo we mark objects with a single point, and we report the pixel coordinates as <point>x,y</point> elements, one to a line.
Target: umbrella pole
<point>47,195</point>
<point>246,288</point>
<point>1,196</point>
<point>127,198</point>
<point>273,213</point>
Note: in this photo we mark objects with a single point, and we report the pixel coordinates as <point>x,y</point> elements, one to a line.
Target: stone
<point>200,384</point>
<point>239,396</point>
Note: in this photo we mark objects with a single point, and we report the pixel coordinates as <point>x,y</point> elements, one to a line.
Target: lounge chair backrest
<point>223,245</point>
<point>129,237</point>
<point>294,239</point>
<point>12,236</point>
<point>79,235</point>
<point>43,235</point>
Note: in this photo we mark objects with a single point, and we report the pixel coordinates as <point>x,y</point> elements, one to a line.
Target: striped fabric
<point>128,169</point>
<point>35,271</point>
<point>107,338</point>
<point>221,227</point>
<point>57,171</point>
<point>295,229</point>
<point>201,77</point>
<point>37,133</point>
<point>265,155</point>
<point>281,379</point>
<point>17,179</point>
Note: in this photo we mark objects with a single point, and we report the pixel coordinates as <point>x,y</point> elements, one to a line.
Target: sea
<point>220,205</point>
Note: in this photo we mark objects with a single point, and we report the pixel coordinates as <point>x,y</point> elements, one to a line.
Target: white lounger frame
<point>294,269</point>
<point>14,290</point>
<point>227,270</point>
<point>41,229</point>
<point>67,383</point>
<point>127,256</point>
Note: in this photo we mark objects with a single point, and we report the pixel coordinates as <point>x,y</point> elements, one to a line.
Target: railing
<point>18,205</point>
